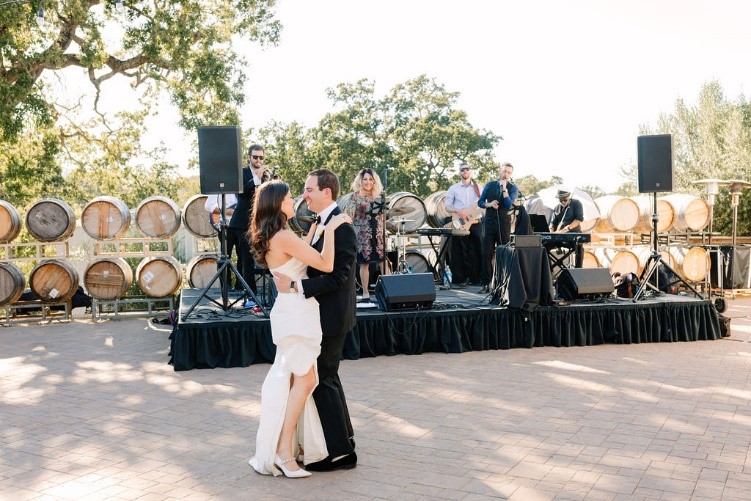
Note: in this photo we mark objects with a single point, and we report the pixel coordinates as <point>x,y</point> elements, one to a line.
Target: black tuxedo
<point>335,293</point>
<point>238,226</point>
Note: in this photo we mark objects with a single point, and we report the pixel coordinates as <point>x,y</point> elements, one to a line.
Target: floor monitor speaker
<point>220,159</point>
<point>584,283</point>
<point>408,291</point>
<point>655,163</point>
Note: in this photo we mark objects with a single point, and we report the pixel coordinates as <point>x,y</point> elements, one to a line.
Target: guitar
<point>458,223</point>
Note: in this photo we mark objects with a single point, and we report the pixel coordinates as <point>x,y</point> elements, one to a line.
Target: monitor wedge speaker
<point>408,291</point>
<point>584,283</point>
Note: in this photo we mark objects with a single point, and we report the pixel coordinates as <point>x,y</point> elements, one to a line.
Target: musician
<point>465,253</point>
<point>497,198</point>
<point>253,175</point>
<point>568,215</point>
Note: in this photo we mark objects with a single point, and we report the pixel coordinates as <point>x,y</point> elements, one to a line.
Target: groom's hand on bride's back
<point>338,220</point>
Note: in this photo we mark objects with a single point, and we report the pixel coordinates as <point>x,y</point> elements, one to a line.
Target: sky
<point>566,83</point>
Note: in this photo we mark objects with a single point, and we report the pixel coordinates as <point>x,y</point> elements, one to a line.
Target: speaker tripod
<point>655,261</point>
<point>224,267</point>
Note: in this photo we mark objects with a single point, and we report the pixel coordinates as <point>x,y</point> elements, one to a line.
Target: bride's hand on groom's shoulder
<point>338,220</point>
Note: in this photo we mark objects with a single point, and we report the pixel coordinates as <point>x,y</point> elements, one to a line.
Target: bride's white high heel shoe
<point>279,462</point>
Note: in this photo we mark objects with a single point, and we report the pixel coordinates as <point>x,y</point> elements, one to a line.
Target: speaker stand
<point>223,270</point>
<point>655,261</point>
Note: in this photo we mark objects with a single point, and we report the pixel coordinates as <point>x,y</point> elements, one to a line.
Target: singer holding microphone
<point>368,219</point>
<point>497,198</point>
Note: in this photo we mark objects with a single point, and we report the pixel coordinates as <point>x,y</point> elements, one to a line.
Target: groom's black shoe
<point>343,463</point>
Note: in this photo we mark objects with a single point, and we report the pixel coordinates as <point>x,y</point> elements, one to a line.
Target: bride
<point>289,421</point>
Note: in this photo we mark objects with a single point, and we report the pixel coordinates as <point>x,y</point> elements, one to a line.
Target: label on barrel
<point>110,219</point>
<point>163,216</point>
<point>106,273</point>
<point>54,293</point>
<point>148,276</point>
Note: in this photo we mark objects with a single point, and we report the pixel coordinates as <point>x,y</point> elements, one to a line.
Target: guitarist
<point>465,253</point>
<point>498,197</point>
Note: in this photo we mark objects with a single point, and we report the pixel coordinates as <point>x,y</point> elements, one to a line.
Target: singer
<point>497,198</point>
<point>367,213</point>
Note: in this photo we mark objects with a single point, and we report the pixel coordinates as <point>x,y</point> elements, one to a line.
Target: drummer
<point>465,257</point>
<point>367,219</point>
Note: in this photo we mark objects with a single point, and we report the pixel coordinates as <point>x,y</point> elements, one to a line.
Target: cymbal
<point>399,211</point>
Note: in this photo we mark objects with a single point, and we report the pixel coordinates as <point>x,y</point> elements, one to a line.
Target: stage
<point>460,320</point>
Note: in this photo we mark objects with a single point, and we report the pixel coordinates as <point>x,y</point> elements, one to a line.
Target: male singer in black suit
<point>497,198</point>
<point>336,295</point>
<point>253,176</point>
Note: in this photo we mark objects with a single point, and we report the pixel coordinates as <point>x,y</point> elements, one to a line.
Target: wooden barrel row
<point>56,280</point>
<point>691,262</point>
<point>677,212</point>
<point>103,218</point>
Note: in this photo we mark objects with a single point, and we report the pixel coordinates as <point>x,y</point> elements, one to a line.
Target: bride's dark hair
<point>267,217</point>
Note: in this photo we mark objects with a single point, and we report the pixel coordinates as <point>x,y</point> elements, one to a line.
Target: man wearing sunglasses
<point>253,176</point>
<point>465,256</point>
<point>568,215</point>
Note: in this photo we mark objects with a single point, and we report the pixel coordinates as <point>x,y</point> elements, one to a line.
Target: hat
<point>563,194</point>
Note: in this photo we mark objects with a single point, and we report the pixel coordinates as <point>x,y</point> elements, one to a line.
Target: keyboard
<point>433,232</point>
<point>564,239</point>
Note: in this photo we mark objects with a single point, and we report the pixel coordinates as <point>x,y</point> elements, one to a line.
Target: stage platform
<point>461,320</point>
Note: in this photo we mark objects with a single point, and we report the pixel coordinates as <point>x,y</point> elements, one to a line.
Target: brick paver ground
<point>92,410</point>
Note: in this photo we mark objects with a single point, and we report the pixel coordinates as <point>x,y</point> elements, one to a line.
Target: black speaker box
<point>408,291</point>
<point>655,163</point>
<point>220,159</point>
<point>584,283</point>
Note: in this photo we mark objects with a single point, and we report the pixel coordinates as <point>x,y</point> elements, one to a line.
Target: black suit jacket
<point>335,291</point>
<point>241,216</point>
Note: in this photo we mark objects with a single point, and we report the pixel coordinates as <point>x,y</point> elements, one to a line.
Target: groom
<point>335,293</point>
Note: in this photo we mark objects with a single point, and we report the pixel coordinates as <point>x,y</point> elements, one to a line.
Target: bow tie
<point>318,219</point>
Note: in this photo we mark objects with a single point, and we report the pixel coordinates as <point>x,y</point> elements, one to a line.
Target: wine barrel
<point>617,260</point>
<point>158,217</point>
<point>108,278</point>
<point>692,262</point>
<point>408,208</point>
<point>50,220</point>
<point>589,259</point>
<point>159,276</point>
<point>665,214</point>
<point>105,218</point>
<point>690,213</point>
<point>438,217</point>
<point>54,280</point>
<point>10,222</point>
<point>196,217</point>
<point>200,270</point>
<point>11,283</point>
<point>644,251</point>
<point>617,214</point>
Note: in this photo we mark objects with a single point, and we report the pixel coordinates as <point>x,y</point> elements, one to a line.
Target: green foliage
<point>413,138</point>
<point>711,139</point>
<point>182,49</point>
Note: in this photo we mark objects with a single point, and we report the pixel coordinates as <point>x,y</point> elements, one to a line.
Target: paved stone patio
<point>92,410</point>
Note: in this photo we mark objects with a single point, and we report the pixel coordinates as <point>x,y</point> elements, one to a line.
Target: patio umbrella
<point>545,201</point>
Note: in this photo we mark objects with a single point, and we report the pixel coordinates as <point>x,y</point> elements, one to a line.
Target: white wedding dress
<point>296,331</point>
